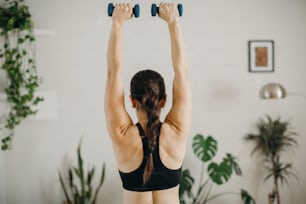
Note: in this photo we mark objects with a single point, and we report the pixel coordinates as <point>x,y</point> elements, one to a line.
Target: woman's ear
<point>162,102</point>
<point>133,101</point>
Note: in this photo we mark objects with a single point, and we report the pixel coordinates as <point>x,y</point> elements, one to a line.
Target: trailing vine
<point>18,63</point>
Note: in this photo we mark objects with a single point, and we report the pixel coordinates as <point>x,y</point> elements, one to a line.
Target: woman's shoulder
<point>170,128</point>
<point>131,132</point>
<point>126,136</point>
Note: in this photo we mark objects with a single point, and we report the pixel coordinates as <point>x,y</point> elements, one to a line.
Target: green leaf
<point>4,147</point>
<point>100,184</point>
<point>90,175</point>
<point>24,52</point>
<point>246,197</point>
<point>204,149</point>
<point>232,162</point>
<point>80,169</point>
<point>20,40</point>
<point>186,184</point>
<point>102,175</point>
<point>70,178</point>
<point>219,174</point>
<point>10,23</point>
<point>64,188</point>
<point>77,172</point>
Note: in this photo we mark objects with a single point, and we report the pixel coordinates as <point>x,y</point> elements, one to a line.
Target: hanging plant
<point>17,61</point>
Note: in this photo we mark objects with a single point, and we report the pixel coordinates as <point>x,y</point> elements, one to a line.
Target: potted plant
<point>205,150</point>
<point>272,139</point>
<point>81,192</point>
<point>18,64</point>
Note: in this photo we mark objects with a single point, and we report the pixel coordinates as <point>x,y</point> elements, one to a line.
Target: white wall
<point>226,103</point>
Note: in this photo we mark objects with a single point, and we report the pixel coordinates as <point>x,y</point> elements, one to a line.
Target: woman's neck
<point>142,119</point>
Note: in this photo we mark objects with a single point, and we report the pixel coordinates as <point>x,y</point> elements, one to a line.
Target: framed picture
<point>261,56</point>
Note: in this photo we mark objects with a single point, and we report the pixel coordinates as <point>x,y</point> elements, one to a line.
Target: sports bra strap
<point>140,129</point>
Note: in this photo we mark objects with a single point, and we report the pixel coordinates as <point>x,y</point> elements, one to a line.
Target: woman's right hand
<point>122,13</point>
<point>168,12</point>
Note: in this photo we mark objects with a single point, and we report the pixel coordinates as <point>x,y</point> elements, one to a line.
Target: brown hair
<point>148,88</point>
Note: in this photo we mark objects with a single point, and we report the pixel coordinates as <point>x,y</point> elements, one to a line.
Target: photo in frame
<point>261,55</point>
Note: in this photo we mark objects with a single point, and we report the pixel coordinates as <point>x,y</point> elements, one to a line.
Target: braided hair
<point>148,88</point>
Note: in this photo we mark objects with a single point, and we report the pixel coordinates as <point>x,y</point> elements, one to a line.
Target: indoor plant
<point>81,192</point>
<point>18,64</point>
<point>274,137</point>
<point>205,150</point>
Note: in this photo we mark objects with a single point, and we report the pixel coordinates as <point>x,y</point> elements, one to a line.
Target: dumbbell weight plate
<point>154,10</point>
<point>110,9</point>
<point>136,10</point>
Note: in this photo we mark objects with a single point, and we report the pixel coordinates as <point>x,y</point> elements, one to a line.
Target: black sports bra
<point>161,178</point>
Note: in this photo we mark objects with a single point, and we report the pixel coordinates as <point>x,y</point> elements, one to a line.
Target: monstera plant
<point>18,65</point>
<point>272,139</point>
<point>205,150</point>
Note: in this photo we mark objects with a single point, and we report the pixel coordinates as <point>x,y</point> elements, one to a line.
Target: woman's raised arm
<point>116,115</point>
<point>180,113</point>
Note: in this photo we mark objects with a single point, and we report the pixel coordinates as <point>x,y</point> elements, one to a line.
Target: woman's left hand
<point>122,13</point>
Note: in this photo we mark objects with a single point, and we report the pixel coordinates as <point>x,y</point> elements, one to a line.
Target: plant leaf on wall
<point>232,162</point>
<point>186,183</point>
<point>245,196</point>
<point>204,149</point>
<point>220,174</point>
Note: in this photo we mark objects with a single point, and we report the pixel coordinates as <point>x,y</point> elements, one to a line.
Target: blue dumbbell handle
<point>155,9</point>
<point>111,7</point>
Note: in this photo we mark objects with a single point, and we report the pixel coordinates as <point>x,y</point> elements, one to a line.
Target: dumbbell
<point>111,7</point>
<point>155,9</point>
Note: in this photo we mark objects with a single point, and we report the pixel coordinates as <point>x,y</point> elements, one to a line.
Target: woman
<point>149,154</point>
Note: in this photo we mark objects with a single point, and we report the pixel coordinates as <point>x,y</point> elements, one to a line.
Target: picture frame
<point>261,55</point>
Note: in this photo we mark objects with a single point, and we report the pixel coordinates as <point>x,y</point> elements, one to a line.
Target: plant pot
<point>271,198</point>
